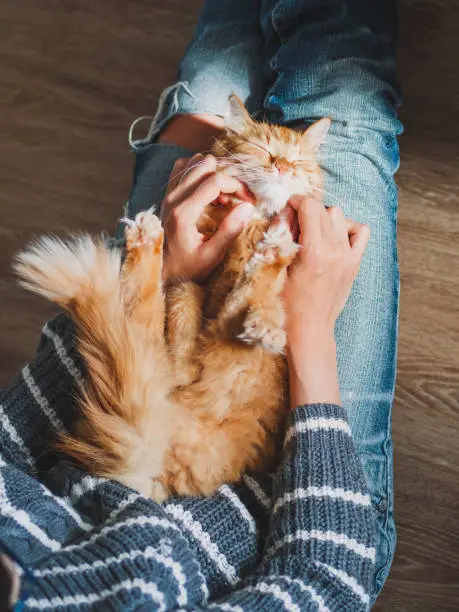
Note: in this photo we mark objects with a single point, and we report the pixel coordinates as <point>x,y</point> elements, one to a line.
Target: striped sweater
<point>302,539</point>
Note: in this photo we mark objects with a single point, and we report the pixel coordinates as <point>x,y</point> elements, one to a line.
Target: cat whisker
<point>181,175</point>
<point>241,171</point>
<point>187,170</point>
<point>230,155</point>
<point>233,158</point>
<point>244,167</point>
<point>241,158</point>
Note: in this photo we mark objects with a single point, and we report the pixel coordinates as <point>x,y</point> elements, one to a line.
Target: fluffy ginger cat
<point>186,385</point>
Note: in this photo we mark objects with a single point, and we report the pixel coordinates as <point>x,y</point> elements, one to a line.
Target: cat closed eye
<point>261,149</point>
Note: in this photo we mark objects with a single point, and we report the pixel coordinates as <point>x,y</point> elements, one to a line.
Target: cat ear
<point>237,118</point>
<point>316,134</point>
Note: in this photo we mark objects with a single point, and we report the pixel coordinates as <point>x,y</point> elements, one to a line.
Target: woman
<point>305,540</point>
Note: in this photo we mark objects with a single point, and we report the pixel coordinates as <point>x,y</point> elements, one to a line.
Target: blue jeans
<point>296,61</point>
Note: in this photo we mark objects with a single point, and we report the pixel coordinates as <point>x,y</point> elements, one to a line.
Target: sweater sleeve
<point>320,552</point>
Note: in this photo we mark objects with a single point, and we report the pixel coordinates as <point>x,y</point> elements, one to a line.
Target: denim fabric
<point>296,61</point>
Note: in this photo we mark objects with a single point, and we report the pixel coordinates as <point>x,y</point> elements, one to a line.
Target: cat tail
<point>60,271</point>
<point>124,399</point>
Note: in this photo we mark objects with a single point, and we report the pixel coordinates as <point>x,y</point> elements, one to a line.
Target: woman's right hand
<point>318,285</point>
<point>194,184</point>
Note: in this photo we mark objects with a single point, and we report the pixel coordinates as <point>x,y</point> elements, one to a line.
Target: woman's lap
<point>335,61</point>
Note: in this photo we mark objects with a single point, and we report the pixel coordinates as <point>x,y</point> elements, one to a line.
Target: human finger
<point>337,224</point>
<point>288,216</point>
<point>177,170</point>
<point>205,193</point>
<point>310,214</point>
<point>243,194</point>
<point>197,170</point>
<point>359,235</point>
<point>213,251</point>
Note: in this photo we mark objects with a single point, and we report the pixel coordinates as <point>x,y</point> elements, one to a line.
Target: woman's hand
<point>319,282</point>
<point>193,185</point>
<point>321,277</point>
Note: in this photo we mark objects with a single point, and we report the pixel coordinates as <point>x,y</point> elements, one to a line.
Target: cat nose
<point>282,166</point>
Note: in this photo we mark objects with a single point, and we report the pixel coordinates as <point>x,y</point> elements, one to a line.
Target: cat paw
<point>278,242</point>
<point>158,492</point>
<point>258,331</point>
<point>144,230</point>
<point>277,245</point>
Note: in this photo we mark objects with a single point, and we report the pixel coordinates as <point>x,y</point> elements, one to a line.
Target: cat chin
<point>271,199</point>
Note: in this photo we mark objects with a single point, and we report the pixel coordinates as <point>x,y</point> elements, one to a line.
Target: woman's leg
<point>224,57</point>
<point>336,58</point>
<point>316,59</point>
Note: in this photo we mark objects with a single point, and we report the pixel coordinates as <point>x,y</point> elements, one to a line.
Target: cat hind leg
<point>184,302</point>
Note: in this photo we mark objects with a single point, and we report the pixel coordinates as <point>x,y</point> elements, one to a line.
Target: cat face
<point>275,162</point>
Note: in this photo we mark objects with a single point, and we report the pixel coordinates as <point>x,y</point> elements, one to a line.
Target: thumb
<point>214,250</point>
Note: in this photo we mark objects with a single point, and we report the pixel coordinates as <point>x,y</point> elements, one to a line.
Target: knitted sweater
<point>299,540</point>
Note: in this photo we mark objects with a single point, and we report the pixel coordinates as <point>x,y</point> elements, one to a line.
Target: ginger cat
<point>186,385</point>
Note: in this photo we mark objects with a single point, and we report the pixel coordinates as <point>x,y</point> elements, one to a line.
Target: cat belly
<point>231,421</point>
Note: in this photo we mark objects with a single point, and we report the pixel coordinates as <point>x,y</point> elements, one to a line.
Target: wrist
<point>306,336</point>
<point>313,368</point>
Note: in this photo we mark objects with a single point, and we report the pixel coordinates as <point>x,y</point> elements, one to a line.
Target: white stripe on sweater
<point>316,425</point>
<point>277,593</point>
<point>202,537</point>
<point>140,521</point>
<point>8,426</point>
<point>204,589</point>
<point>41,400</point>
<point>340,539</point>
<point>306,588</point>
<point>237,503</point>
<point>63,355</point>
<point>256,489</point>
<point>86,484</point>
<point>226,607</point>
<point>147,588</point>
<point>23,519</point>
<point>148,553</point>
<point>71,511</point>
<point>333,493</point>
<point>347,580</point>
<point>130,499</point>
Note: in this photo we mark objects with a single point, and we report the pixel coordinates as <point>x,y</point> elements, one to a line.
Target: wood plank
<point>75,74</point>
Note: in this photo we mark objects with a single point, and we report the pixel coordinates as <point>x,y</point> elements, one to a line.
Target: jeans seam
<point>390,455</point>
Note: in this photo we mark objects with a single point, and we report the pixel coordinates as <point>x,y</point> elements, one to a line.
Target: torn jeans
<point>295,61</point>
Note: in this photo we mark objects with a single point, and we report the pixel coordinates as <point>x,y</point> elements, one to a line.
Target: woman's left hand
<point>187,254</point>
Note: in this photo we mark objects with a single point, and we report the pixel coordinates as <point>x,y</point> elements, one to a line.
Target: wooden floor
<point>72,77</point>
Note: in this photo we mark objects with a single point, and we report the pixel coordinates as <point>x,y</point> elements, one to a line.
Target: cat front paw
<point>258,330</point>
<point>277,246</point>
<point>144,230</point>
